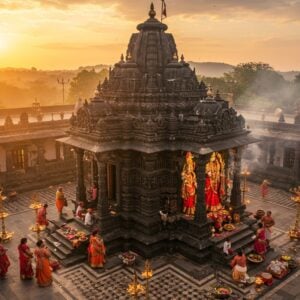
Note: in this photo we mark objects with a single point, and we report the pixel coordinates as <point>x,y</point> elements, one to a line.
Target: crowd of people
<point>96,248</point>
<point>260,246</point>
<point>41,254</point>
<point>43,270</point>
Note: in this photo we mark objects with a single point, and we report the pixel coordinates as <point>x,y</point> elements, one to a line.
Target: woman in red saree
<point>260,243</point>
<point>4,262</point>
<point>42,216</point>
<point>96,250</point>
<point>43,270</point>
<point>25,257</point>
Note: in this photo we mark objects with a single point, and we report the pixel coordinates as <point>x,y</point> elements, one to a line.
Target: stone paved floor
<point>174,277</point>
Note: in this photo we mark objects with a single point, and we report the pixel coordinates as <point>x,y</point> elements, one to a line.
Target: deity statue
<point>214,182</point>
<point>189,185</point>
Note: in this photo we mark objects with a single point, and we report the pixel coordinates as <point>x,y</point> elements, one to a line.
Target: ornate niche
<point>83,119</point>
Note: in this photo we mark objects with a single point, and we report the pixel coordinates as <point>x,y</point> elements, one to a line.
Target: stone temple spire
<point>152,12</point>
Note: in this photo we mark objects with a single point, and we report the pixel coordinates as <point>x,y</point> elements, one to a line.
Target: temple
<point>158,140</point>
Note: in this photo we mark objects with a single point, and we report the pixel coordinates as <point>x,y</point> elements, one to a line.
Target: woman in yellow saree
<point>96,250</point>
<point>43,269</point>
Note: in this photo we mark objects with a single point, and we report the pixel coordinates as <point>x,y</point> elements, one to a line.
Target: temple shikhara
<point>159,143</point>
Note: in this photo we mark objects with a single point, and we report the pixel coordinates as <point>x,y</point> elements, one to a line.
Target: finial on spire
<point>182,58</point>
<point>152,12</point>
<point>122,57</point>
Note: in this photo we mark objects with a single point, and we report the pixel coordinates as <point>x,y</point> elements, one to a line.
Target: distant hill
<point>289,75</point>
<point>97,68</point>
<point>211,69</point>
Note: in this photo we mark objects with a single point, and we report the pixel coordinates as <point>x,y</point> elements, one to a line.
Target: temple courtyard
<point>174,277</point>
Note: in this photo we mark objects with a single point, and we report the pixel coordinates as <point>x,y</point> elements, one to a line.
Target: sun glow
<point>3,43</point>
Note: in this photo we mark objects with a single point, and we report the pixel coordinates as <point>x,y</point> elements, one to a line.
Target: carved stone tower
<point>138,127</point>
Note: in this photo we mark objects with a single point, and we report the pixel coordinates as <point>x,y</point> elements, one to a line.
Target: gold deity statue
<point>189,185</point>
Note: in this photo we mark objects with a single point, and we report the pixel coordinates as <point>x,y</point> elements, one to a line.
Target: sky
<point>66,34</point>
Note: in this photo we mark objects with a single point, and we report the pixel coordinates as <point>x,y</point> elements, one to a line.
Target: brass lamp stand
<point>147,274</point>
<point>36,205</point>
<point>245,173</point>
<point>135,289</point>
<point>294,231</point>
<point>4,234</point>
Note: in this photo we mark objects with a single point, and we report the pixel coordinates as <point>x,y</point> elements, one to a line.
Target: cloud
<point>79,47</point>
<point>284,10</point>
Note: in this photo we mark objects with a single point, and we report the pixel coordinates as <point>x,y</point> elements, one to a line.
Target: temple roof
<point>152,97</point>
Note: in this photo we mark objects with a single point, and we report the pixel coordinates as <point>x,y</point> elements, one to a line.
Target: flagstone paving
<point>174,277</point>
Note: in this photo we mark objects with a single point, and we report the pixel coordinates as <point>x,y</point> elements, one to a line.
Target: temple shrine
<point>159,142</point>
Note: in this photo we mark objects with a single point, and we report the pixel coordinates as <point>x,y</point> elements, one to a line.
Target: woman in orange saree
<point>43,270</point>
<point>60,200</point>
<point>4,262</point>
<point>96,250</point>
<point>25,257</point>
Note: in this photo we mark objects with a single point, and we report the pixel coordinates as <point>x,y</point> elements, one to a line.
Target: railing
<point>35,126</point>
<point>276,126</point>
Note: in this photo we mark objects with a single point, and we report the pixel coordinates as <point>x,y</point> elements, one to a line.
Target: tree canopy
<point>259,86</point>
<point>83,85</point>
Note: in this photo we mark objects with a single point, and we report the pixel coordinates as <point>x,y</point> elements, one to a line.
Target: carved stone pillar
<point>272,151</point>
<point>297,164</point>
<point>80,188</point>
<point>9,162</point>
<point>103,205</point>
<point>40,154</point>
<point>200,212</point>
<point>235,197</point>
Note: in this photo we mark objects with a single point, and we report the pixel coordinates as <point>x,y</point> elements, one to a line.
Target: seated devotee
<point>43,269</point>
<point>42,216</point>
<point>260,243</point>
<point>239,267</point>
<point>4,262</point>
<point>89,219</point>
<point>79,211</point>
<point>96,250</point>
<point>25,258</point>
<point>227,247</point>
<point>268,222</point>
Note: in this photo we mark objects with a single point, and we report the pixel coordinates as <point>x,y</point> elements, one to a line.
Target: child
<point>227,247</point>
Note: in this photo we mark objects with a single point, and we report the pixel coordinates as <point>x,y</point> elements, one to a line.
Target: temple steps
<point>62,248</point>
<point>241,239</point>
<point>73,260</point>
<point>51,240</point>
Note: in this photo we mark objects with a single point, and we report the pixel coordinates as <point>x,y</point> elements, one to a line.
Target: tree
<point>84,84</point>
<point>257,83</point>
<point>297,79</point>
